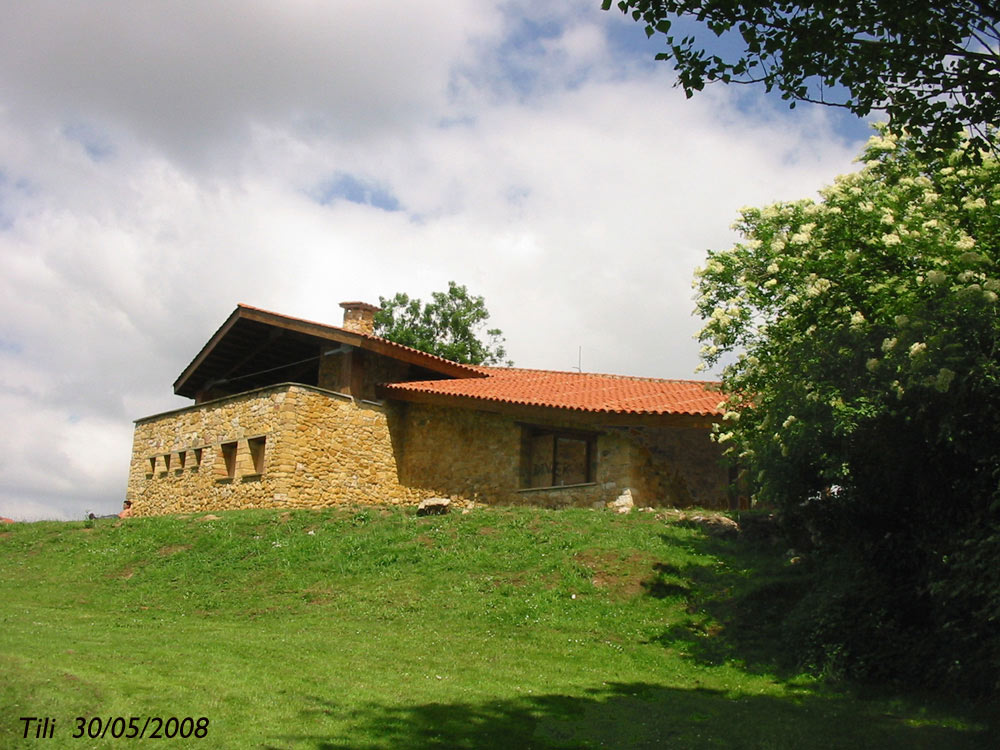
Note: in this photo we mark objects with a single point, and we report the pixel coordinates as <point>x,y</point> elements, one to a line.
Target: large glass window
<point>556,458</point>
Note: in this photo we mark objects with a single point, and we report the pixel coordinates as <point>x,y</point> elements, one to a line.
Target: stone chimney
<point>359,317</point>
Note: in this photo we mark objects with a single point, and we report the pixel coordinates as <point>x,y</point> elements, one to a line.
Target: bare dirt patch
<point>172,549</point>
<point>124,574</point>
<point>622,577</point>
<point>319,595</point>
<point>520,579</point>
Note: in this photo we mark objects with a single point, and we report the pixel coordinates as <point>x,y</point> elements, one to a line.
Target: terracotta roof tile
<point>587,392</point>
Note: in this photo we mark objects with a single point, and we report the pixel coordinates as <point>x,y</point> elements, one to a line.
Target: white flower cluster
<point>818,287</point>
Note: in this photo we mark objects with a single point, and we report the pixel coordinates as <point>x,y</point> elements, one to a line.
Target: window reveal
<point>256,446</point>
<point>228,451</point>
<point>556,458</point>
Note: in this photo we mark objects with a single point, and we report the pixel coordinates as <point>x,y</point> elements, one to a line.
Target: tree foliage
<point>451,325</point>
<point>863,390</point>
<point>934,67</point>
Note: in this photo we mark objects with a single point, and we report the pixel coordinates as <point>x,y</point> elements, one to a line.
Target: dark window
<point>229,459</point>
<point>556,458</point>
<point>257,453</point>
<point>197,458</point>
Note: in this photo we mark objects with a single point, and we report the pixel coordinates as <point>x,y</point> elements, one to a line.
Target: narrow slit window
<point>197,458</point>
<point>256,446</point>
<point>181,460</point>
<point>229,459</point>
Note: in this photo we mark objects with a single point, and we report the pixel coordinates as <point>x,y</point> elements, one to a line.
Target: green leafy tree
<point>451,325</point>
<point>862,344</point>
<point>934,67</point>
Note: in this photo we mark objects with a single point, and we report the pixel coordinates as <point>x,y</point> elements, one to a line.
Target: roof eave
<point>331,333</point>
<point>206,350</point>
<point>539,412</point>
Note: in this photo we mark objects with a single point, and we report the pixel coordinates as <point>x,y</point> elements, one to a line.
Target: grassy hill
<point>369,628</point>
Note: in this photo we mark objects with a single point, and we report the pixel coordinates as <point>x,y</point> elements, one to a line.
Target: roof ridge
<point>490,369</point>
<point>596,394</point>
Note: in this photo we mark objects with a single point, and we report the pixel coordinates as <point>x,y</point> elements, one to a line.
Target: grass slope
<point>367,628</point>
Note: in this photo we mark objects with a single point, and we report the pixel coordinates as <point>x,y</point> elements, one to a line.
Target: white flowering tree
<point>863,376</point>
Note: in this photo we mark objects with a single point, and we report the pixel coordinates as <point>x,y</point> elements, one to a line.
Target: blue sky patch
<point>97,144</point>
<point>630,39</point>
<point>347,187</point>
<point>10,347</point>
<point>522,49</point>
<point>6,217</point>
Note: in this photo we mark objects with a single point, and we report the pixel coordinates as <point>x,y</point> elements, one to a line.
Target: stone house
<point>289,413</point>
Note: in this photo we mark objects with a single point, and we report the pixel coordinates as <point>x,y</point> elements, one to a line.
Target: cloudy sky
<point>161,162</point>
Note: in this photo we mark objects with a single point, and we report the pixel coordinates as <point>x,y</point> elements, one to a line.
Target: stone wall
<point>357,372</point>
<point>459,452</point>
<point>478,455</point>
<point>338,450</point>
<point>296,446</point>
<point>319,449</point>
<point>678,467</point>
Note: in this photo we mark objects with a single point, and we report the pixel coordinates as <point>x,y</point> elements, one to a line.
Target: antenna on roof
<point>579,359</point>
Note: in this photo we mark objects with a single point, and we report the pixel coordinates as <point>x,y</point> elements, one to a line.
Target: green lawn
<point>507,628</point>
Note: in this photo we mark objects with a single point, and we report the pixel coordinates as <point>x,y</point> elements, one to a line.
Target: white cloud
<point>192,78</point>
<point>160,163</point>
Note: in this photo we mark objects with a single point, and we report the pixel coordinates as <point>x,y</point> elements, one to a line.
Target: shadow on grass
<point>738,604</point>
<point>635,715</point>
<point>659,585</point>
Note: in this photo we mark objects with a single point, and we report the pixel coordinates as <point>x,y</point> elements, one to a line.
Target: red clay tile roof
<point>582,392</point>
<point>586,392</point>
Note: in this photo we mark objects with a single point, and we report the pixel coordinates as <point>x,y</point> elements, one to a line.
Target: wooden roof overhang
<point>256,347</point>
